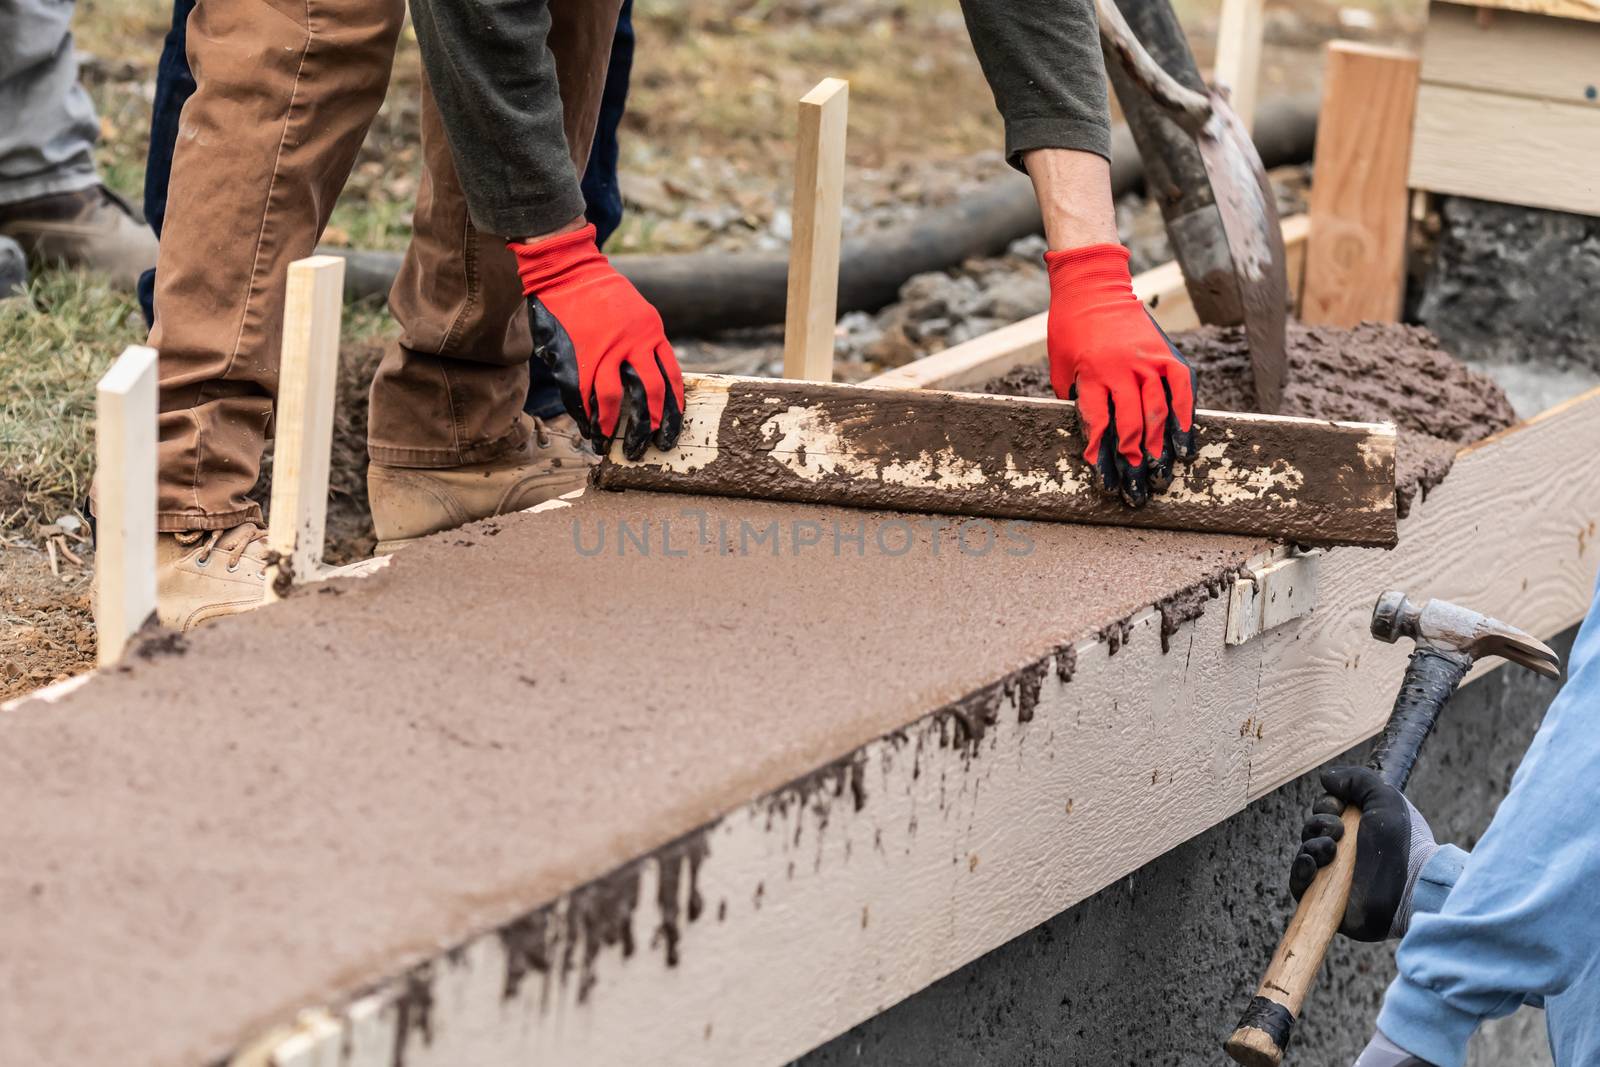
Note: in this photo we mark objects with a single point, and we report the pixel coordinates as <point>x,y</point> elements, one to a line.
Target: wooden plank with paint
<point>125,501</point>
<point>1515,54</point>
<point>1588,10</point>
<point>308,379</point>
<point>1355,268</point>
<point>1545,153</point>
<point>1313,482</point>
<point>814,249</point>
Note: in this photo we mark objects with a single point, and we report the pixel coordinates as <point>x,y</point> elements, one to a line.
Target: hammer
<point>1448,640</point>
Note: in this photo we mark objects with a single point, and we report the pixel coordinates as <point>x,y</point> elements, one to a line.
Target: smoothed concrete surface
<point>1154,970</point>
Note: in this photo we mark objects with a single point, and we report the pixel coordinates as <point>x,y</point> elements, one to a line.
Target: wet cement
<point>287,807</point>
<point>1375,372</point>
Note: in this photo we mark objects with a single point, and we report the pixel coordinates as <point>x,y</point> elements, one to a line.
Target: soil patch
<point>46,622</point>
<point>1376,372</point>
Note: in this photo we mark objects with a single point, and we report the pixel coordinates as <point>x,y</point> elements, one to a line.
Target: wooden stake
<point>1355,267</point>
<point>1238,65</point>
<point>125,501</point>
<point>307,380</point>
<point>814,250</point>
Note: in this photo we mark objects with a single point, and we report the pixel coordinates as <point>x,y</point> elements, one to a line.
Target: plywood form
<point>959,847</point>
<point>1509,108</point>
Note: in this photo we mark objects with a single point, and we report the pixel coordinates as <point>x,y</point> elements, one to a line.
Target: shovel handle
<point>1188,108</point>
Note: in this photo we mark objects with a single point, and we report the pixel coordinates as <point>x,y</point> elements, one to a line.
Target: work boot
<point>205,574</point>
<point>409,503</point>
<point>91,228</point>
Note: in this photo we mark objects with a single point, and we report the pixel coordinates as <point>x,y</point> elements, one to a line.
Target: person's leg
<point>51,200</point>
<point>174,86</point>
<point>449,394</point>
<point>285,92</point>
<point>601,194</point>
<point>47,140</point>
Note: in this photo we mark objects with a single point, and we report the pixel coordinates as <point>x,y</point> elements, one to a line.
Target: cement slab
<point>288,808</point>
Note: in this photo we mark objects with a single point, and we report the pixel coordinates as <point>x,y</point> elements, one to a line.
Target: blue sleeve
<point>1522,921</point>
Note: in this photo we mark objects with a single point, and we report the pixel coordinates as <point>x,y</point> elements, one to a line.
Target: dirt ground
<point>707,150</point>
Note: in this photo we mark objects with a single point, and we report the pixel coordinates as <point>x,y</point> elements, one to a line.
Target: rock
<point>13,270</point>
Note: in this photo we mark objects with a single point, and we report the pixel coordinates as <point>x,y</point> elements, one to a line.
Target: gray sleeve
<point>1043,62</point>
<point>492,72</point>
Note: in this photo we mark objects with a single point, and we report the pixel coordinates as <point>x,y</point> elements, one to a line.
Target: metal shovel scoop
<point>1243,195</point>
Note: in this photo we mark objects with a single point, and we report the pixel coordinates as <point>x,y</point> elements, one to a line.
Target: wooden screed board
<point>1309,481</point>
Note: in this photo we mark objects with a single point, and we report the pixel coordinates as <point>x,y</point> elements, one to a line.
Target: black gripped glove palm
<point>603,342</point>
<point>1394,844</point>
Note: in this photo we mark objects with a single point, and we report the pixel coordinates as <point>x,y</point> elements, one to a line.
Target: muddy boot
<point>412,502</point>
<point>206,574</point>
<point>13,270</point>
<point>92,228</point>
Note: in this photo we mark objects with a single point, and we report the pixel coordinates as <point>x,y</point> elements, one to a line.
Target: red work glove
<point>1135,392</point>
<point>604,343</point>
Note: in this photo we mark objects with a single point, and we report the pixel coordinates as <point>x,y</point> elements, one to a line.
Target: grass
<point>56,344</point>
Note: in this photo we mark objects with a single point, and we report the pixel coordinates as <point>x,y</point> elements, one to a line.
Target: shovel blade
<point>1254,237</point>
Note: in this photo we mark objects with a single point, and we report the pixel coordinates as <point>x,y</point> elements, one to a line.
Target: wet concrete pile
<point>1374,373</point>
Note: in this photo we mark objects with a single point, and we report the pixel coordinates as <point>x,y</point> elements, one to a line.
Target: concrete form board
<point>397,798</point>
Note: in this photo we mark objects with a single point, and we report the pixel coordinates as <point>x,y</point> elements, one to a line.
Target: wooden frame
<point>1505,110</point>
<point>814,248</point>
<point>125,501</point>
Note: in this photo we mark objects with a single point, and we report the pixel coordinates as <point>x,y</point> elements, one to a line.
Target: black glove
<point>1393,846</point>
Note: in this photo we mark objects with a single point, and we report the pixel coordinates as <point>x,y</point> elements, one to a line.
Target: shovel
<point>1243,196</point>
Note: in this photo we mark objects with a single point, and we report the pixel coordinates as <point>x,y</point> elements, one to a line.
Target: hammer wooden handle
<point>1264,1031</point>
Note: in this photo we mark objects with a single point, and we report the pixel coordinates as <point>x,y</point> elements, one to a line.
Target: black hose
<point>699,293</point>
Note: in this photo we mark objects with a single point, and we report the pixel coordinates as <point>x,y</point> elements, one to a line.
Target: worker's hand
<point>604,343</point>
<point>1135,392</point>
<point>1393,846</point>
<point>1381,1052</point>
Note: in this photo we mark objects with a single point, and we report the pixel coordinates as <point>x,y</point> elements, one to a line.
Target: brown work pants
<point>286,91</point>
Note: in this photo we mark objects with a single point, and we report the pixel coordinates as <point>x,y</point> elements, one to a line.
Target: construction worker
<point>289,94</point>
<point>52,204</point>
<point>1135,392</point>
<point>283,95</point>
<point>1514,922</point>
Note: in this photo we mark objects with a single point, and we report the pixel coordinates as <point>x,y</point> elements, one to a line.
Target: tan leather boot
<point>409,503</point>
<point>206,574</point>
<point>92,228</point>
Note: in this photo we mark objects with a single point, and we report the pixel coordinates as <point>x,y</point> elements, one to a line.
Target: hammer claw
<point>1442,625</point>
